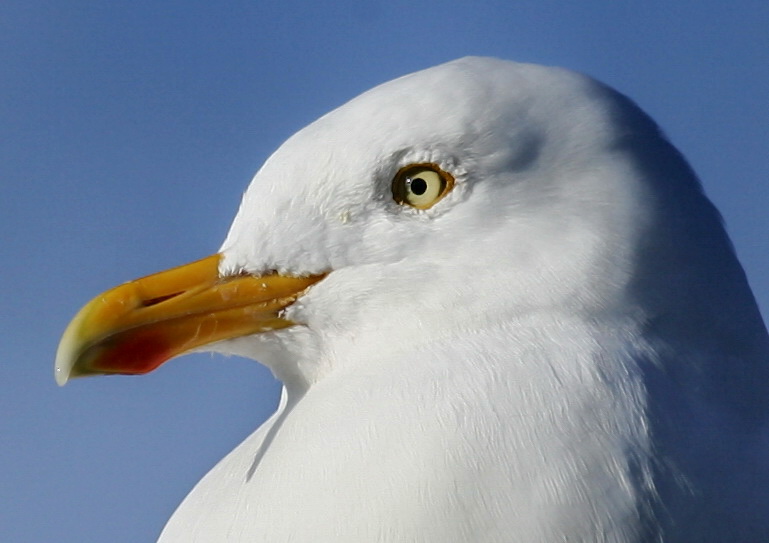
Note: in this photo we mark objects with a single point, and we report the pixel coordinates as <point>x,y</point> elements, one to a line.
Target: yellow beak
<point>135,327</point>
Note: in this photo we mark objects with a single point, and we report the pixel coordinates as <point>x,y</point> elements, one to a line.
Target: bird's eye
<point>421,185</point>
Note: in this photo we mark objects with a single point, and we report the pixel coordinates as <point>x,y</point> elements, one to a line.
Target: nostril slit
<point>159,299</point>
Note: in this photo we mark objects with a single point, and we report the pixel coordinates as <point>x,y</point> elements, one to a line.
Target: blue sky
<point>128,132</point>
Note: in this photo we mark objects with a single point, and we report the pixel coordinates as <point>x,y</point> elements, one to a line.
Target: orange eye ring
<point>421,185</point>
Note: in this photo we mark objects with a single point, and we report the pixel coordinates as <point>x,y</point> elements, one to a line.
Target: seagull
<point>502,309</point>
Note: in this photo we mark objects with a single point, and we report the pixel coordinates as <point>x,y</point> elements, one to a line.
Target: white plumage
<point>564,348</point>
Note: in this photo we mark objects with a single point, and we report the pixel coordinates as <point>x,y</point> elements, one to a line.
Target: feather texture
<point>564,348</point>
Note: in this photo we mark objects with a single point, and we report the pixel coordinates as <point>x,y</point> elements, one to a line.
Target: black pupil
<point>418,186</point>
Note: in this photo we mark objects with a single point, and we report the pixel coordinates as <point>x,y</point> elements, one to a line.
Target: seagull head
<point>471,193</point>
